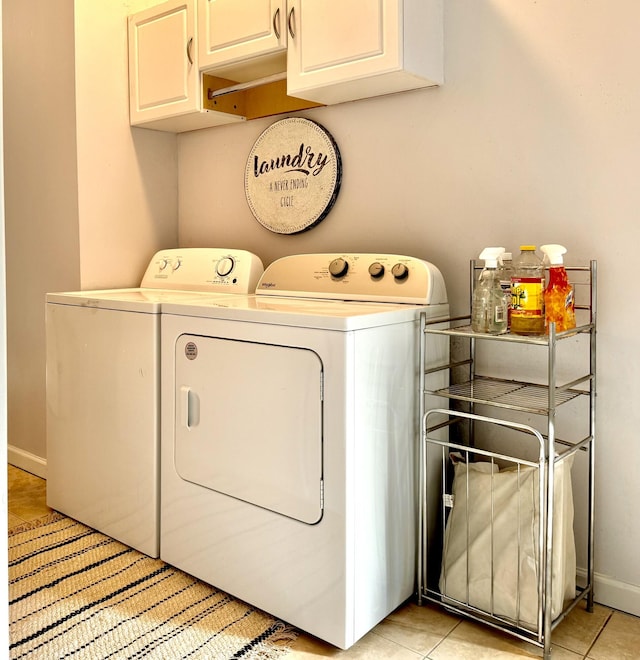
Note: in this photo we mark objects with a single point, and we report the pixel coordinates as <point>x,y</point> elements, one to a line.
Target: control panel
<point>365,277</point>
<point>218,270</point>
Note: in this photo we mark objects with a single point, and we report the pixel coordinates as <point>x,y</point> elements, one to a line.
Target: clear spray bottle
<point>558,295</point>
<point>489,306</point>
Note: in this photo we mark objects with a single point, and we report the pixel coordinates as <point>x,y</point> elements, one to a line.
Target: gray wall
<point>88,199</point>
<point>41,196</point>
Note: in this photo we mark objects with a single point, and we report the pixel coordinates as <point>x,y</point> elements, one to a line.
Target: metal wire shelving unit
<point>473,406</point>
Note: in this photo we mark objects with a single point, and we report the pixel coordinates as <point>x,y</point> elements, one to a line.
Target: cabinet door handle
<point>276,23</point>
<point>290,23</point>
<point>189,44</point>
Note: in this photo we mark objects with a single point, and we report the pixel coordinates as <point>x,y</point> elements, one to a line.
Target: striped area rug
<point>75,593</point>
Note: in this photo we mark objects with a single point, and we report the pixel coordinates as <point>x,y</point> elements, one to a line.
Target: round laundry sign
<point>293,175</point>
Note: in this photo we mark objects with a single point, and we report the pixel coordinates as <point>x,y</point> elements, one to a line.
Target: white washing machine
<point>289,436</point>
<point>103,389</point>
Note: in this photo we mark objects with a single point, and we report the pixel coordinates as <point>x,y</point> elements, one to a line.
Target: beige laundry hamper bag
<point>490,555</point>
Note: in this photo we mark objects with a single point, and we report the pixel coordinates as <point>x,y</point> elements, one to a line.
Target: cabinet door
<point>343,51</point>
<point>163,74</point>
<point>334,40</point>
<point>232,32</point>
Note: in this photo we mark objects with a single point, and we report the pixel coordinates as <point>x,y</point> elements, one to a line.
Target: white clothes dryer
<point>289,438</point>
<point>103,389</point>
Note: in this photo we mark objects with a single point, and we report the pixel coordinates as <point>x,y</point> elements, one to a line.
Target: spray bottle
<point>558,295</point>
<point>489,306</point>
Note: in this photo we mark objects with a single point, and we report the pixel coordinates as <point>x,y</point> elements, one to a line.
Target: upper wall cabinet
<point>165,86</point>
<point>335,50</point>
<point>342,51</point>
<point>193,69</point>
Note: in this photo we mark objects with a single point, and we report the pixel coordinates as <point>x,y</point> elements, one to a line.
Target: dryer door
<point>249,422</point>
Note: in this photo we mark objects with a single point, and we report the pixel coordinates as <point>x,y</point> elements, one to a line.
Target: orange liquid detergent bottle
<point>558,295</point>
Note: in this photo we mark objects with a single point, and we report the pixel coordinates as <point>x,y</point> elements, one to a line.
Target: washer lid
<point>149,301</point>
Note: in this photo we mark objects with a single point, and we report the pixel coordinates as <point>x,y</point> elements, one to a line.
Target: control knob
<point>400,271</point>
<point>163,263</point>
<point>338,267</point>
<point>225,266</point>
<point>176,264</point>
<point>376,270</point>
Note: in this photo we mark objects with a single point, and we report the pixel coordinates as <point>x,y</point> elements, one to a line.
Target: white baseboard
<point>614,593</point>
<point>27,461</point>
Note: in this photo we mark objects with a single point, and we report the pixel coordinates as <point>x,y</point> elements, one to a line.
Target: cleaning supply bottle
<point>489,306</point>
<point>558,296</point>
<point>527,293</point>
<point>505,270</point>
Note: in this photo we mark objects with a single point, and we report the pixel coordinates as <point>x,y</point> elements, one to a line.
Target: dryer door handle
<point>189,407</point>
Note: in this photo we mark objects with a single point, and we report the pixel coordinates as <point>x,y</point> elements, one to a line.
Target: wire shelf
<point>540,340</point>
<point>514,395</point>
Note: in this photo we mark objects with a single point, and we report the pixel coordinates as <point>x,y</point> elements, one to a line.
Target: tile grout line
<point>428,656</point>
<point>604,625</point>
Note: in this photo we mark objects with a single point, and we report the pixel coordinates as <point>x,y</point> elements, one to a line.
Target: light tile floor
<point>420,633</point>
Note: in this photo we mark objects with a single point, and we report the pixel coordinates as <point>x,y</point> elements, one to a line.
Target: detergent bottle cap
<point>554,253</point>
<point>491,255</point>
